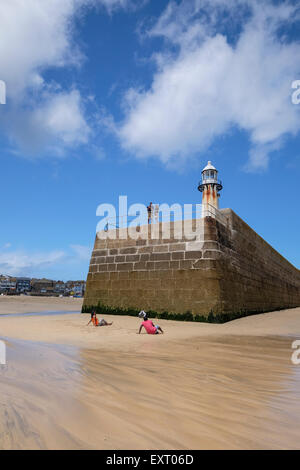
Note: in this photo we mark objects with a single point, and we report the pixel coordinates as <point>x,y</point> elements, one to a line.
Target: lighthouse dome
<point>209,166</point>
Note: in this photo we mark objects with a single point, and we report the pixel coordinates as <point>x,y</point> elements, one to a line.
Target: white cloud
<point>25,263</point>
<point>14,263</point>
<point>214,82</point>
<point>55,123</point>
<point>82,252</point>
<point>34,35</point>
<point>37,35</point>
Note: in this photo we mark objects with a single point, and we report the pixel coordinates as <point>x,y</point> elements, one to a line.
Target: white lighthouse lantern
<point>210,187</point>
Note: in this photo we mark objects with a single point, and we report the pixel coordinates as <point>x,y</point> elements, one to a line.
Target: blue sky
<point>116,97</point>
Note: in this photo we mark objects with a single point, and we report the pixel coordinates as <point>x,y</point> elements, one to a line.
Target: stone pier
<point>219,265</point>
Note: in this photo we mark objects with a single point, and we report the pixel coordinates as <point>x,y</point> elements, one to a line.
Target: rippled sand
<point>197,387</point>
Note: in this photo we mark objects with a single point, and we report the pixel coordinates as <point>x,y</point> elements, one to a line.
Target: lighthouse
<point>210,187</point>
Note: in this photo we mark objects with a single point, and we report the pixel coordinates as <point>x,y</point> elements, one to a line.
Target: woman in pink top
<point>150,327</point>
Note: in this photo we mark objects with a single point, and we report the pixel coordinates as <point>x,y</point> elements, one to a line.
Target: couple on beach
<point>149,326</point>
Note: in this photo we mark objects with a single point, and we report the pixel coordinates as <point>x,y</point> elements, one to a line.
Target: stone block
<point>140,265</point>
<point>194,255</point>
<point>111,267</point>
<point>186,264</point>
<point>128,251</point>
<point>134,258</point>
<point>160,256</point>
<point>102,267</point>
<point>158,265</point>
<point>177,255</point>
<point>125,267</point>
<point>160,248</point>
<point>120,259</point>
<point>146,249</point>
<point>177,247</point>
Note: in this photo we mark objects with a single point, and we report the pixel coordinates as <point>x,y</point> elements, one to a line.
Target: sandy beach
<point>198,386</point>
<point>28,304</point>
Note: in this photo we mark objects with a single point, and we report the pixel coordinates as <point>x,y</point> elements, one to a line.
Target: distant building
<point>7,285</point>
<point>59,287</point>
<point>42,286</point>
<point>79,290</point>
<point>76,288</point>
<point>23,284</point>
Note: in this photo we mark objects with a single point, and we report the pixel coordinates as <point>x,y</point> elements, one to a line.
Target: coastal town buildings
<point>45,287</point>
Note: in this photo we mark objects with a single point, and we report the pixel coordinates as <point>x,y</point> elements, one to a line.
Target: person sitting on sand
<point>149,326</point>
<point>97,322</point>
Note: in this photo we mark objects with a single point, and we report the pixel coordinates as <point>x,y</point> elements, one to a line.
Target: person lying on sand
<point>97,322</point>
<point>150,327</point>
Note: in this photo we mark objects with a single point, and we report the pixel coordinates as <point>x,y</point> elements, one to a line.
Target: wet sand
<point>199,386</point>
